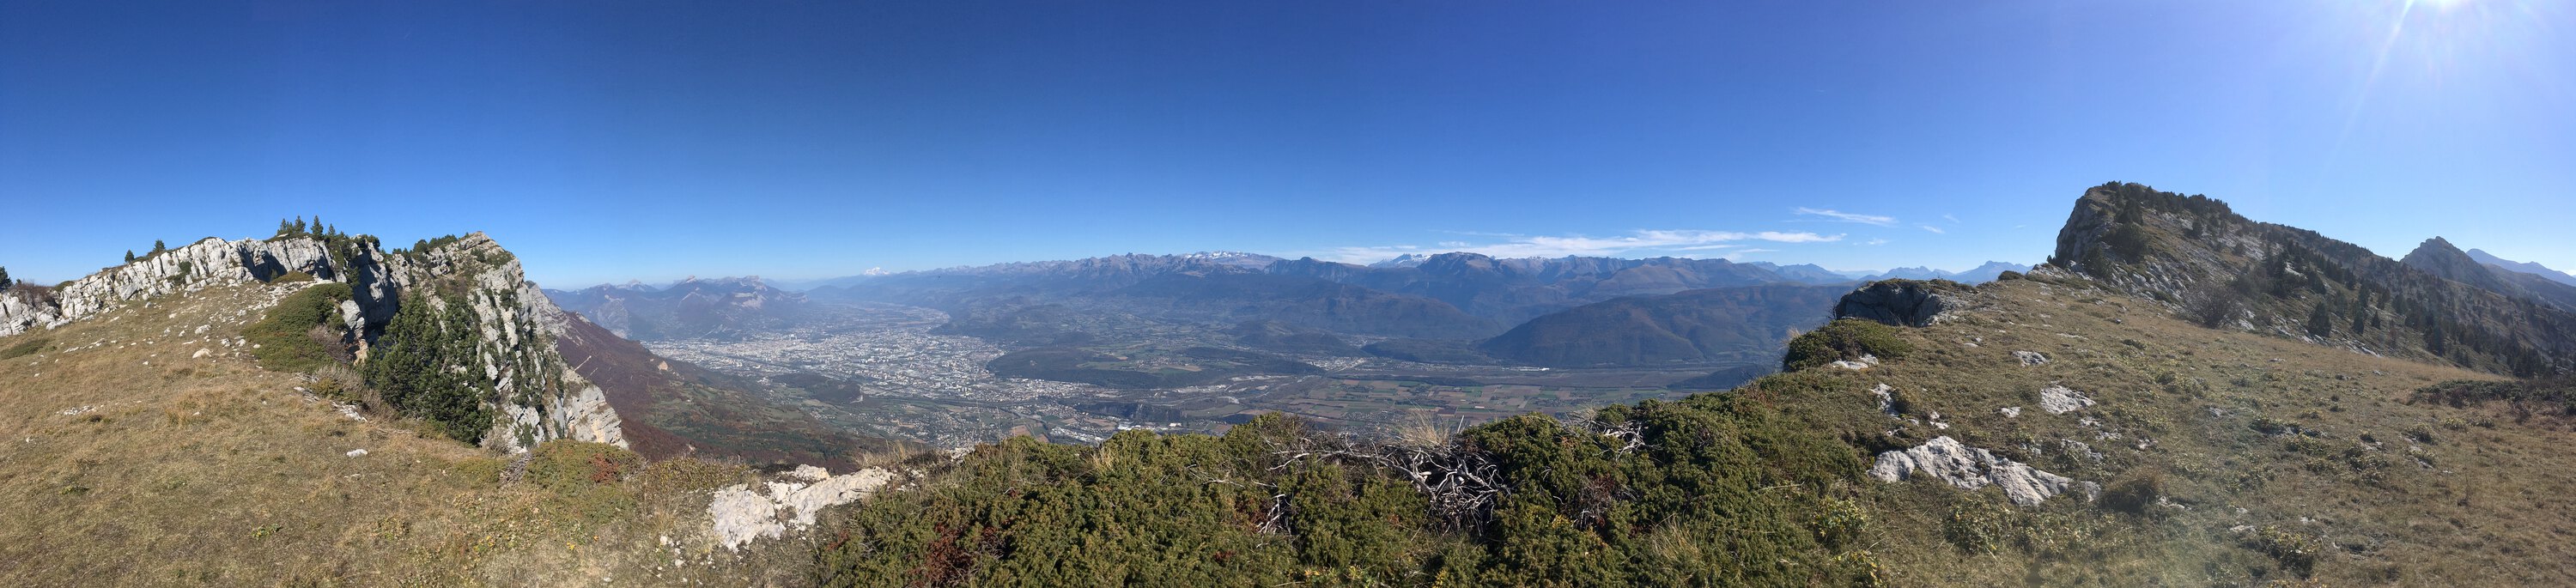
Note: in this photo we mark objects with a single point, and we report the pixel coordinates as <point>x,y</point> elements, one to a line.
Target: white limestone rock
<point>743,512</point>
<point>2061,400</point>
<point>2030,358</point>
<point>1969,468</point>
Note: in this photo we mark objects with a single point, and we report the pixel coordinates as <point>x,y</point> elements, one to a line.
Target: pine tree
<point>4,279</point>
<point>129,256</point>
<point>299,226</point>
<point>158,248</point>
<point>2321,321</point>
<point>285,227</point>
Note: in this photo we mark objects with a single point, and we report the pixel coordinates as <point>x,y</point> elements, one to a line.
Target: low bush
<point>25,348</point>
<point>2297,553</point>
<point>1844,339</point>
<point>287,339</point>
<point>2135,493</point>
<point>1715,489</point>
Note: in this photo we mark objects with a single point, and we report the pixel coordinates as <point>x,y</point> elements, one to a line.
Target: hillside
<point>2048,429</point>
<point>165,431</point>
<point>2157,452</point>
<point>2195,255</point>
<point>1688,327</point>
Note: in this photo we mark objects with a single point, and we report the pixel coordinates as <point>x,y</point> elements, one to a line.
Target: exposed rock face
<point>197,266</point>
<point>2030,358</point>
<point>2062,400</point>
<point>22,309</point>
<point>1904,303</point>
<point>1970,468</point>
<point>539,397</point>
<point>741,513</point>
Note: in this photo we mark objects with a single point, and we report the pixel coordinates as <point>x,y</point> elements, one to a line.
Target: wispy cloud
<point>1936,230</point>
<point>1849,217</point>
<point>1953,219</point>
<point>1872,242</point>
<point>1641,241</point>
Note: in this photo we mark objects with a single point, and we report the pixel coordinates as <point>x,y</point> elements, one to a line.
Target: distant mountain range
<point>1506,291</point>
<point>2439,257</point>
<point>1686,327</point>
<point>1449,307</point>
<point>2523,267</point>
<point>687,309</point>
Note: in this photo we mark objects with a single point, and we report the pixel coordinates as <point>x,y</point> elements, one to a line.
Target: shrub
<point>286,338</point>
<point>2212,307</point>
<point>586,477</point>
<point>2135,493</point>
<point>1844,339</point>
<point>2295,552</point>
<point>687,474</point>
<point>1715,480</point>
<point>565,463</point>
<point>25,348</point>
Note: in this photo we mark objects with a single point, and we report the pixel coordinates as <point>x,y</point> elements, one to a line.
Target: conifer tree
<point>158,248</point>
<point>285,227</point>
<point>2321,321</point>
<point>4,278</point>
<point>299,225</point>
<point>129,256</point>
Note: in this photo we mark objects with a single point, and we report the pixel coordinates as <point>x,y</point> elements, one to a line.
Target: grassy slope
<point>214,472</point>
<point>2485,506</point>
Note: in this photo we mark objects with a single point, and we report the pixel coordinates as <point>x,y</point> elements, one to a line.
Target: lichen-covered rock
<point>1969,468</point>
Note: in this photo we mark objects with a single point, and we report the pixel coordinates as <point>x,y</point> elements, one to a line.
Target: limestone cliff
<point>538,396</point>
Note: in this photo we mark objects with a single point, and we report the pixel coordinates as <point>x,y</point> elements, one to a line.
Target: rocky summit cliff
<point>2196,256</point>
<point>505,346</point>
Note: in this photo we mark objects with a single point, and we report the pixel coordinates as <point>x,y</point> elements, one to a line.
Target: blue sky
<point>604,141</point>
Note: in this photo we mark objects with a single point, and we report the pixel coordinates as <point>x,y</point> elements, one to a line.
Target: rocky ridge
<point>539,397</point>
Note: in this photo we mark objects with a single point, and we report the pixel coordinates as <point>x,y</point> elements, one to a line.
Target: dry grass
<point>127,462</point>
<point>2181,404</point>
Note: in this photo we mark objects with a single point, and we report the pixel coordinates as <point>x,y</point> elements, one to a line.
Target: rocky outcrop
<point>197,266</point>
<point>742,512</point>
<point>1969,468</point>
<point>2062,400</point>
<point>1904,303</point>
<point>539,398</point>
<point>23,308</point>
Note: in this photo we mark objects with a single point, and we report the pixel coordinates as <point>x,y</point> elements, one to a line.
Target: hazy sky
<point>611,140</point>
